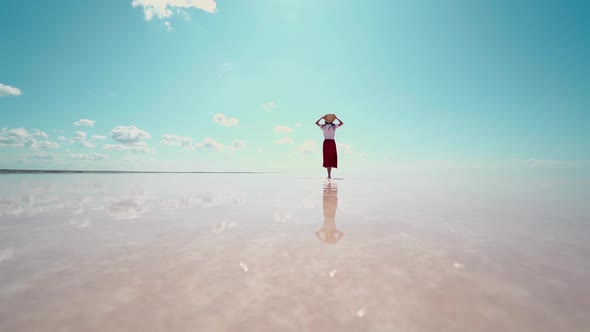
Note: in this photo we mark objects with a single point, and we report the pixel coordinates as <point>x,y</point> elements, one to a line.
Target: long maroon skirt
<point>330,153</point>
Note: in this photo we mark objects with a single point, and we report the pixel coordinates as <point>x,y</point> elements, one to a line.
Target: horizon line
<point>63,171</point>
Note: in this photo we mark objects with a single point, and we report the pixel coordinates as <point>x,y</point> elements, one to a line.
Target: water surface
<point>269,252</point>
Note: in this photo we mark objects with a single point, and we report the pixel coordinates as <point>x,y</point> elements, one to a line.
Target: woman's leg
<point>329,172</point>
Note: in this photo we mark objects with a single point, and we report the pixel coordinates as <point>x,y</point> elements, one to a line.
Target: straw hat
<point>330,117</point>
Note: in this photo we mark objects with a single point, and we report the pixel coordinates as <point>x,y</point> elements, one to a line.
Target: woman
<point>329,148</point>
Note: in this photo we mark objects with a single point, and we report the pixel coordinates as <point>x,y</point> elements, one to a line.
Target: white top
<point>329,131</point>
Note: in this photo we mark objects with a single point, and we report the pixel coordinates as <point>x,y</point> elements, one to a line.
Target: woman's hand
<point>318,122</point>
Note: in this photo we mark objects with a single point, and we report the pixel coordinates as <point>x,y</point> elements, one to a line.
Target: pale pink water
<point>261,253</point>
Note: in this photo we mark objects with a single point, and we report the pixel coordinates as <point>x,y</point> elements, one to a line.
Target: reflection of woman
<point>328,233</point>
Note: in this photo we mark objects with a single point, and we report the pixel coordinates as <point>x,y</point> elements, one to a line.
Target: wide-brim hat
<point>330,117</point>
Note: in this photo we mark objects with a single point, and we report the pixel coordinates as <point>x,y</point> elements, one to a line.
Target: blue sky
<point>148,85</point>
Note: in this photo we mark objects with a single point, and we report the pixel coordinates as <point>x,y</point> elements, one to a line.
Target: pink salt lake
<point>268,252</point>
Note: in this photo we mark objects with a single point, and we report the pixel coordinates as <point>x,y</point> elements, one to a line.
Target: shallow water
<point>268,252</point>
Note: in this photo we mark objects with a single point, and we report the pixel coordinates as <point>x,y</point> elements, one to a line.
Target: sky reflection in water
<point>268,252</point>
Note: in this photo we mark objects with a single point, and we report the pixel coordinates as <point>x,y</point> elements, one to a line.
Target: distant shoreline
<point>66,171</point>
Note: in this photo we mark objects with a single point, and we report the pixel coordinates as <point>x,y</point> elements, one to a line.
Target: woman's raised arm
<point>317,123</point>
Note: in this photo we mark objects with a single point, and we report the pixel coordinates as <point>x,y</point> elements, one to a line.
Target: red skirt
<point>330,154</point>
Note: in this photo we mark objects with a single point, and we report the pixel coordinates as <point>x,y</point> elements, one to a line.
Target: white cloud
<point>238,144</point>
<point>42,157</point>
<point>168,26</point>
<point>87,144</point>
<point>175,140</point>
<point>84,122</point>
<point>80,136</point>
<point>164,8</point>
<point>7,91</point>
<point>89,156</point>
<point>61,138</point>
<point>284,140</point>
<point>140,147</point>
<point>210,143</point>
<point>346,148</point>
<point>18,137</point>
<point>129,135</point>
<point>131,139</point>
<point>99,137</point>
<point>44,145</point>
<point>298,124</point>
<point>282,130</point>
<point>268,106</point>
<point>39,133</point>
<point>221,119</point>
<point>308,146</point>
